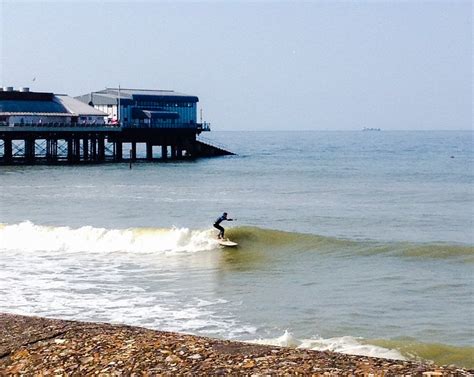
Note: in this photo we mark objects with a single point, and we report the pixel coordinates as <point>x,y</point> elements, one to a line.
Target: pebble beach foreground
<point>40,346</point>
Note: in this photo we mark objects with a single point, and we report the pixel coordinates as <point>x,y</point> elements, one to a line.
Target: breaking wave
<point>402,349</point>
<point>345,344</point>
<point>27,236</point>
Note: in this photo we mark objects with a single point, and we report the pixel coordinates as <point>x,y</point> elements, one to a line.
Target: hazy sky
<point>256,65</point>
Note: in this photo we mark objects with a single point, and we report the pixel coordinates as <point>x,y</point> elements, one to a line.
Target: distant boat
<point>371,129</point>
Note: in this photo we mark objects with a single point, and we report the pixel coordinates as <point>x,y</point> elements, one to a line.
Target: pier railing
<point>205,126</point>
<point>57,125</point>
<point>198,126</point>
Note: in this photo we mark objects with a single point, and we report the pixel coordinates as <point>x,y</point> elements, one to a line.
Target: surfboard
<point>227,243</point>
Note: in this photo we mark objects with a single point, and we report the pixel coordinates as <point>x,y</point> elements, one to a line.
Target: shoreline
<point>34,345</point>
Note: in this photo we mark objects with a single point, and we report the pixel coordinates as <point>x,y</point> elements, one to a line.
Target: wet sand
<point>41,346</point>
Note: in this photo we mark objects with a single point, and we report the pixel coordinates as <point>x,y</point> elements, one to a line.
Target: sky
<point>261,65</point>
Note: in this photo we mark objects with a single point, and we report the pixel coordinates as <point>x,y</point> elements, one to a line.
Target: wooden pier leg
<point>77,150</point>
<point>7,150</point>
<point>118,151</point>
<point>70,153</point>
<point>48,150</point>
<point>134,151</point>
<point>101,148</point>
<point>54,150</point>
<point>93,151</point>
<point>149,151</point>
<point>30,150</point>
<point>189,146</point>
<point>85,149</point>
<point>164,152</point>
<point>173,151</point>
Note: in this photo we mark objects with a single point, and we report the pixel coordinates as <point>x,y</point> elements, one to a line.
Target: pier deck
<point>97,143</point>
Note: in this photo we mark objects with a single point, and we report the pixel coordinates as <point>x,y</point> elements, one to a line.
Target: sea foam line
<point>346,344</point>
<point>27,236</point>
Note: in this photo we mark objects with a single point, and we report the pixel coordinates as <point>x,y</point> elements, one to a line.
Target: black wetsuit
<point>218,226</point>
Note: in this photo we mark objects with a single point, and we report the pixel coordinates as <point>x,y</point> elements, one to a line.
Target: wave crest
<point>27,236</point>
<point>257,239</point>
<point>346,344</point>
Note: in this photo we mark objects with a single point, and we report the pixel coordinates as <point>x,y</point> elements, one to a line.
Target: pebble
<point>39,346</point>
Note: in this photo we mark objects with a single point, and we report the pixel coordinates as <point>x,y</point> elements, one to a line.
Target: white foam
<point>131,276</point>
<point>345,344</point>
<point>27,236</point>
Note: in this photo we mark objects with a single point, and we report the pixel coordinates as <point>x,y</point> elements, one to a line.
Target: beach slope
<point>40,346</point>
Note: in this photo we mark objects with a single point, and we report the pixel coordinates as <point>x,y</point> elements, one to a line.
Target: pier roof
<point>109,96</point>
<point>31,106</point>
<point>31,113</point>
<point>44,104</point>
<point>127,92</point>
<point>77,107</point>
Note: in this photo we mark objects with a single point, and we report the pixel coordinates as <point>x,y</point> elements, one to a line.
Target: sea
<point>359,242</point>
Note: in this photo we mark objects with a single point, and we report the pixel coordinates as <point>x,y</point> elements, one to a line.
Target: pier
<point>91,143</point>
<point>108,126</point>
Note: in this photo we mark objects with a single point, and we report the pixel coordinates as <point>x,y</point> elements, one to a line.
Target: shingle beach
<point>40,346</point>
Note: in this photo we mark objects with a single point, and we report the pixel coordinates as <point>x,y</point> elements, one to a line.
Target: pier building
<point>146,108</point>
<point>109,125</point>
<point>22,107</point>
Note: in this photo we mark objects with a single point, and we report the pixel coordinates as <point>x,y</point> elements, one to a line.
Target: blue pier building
<point>142,108</point>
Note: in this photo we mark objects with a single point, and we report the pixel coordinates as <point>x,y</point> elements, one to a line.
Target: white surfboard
<point>227,243</point>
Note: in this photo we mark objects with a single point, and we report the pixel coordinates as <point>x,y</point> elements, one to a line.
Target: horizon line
<point>342,130</point>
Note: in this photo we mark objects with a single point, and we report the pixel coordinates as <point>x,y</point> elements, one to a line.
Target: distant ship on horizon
<point>371,129</point>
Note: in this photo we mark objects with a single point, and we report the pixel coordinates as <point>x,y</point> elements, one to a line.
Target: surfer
<point>218,226</point>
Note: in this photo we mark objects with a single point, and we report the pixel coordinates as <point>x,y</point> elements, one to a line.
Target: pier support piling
<point>7,150</point>
<point>85,149</point>
<point>149,151</point>
<point>118,151</point>
<point>133,156</point>
<point>30,150</point>
<point>101,148</point>
<point>47,143</point>
<point>164,152</point>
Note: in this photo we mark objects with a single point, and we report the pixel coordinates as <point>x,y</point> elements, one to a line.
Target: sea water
<point>358,242</point>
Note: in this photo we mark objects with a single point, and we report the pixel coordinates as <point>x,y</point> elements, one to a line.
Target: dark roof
<point>21,106</point>
<point>16,113</point>
<point>41,104</point>
<point>26,96</point>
